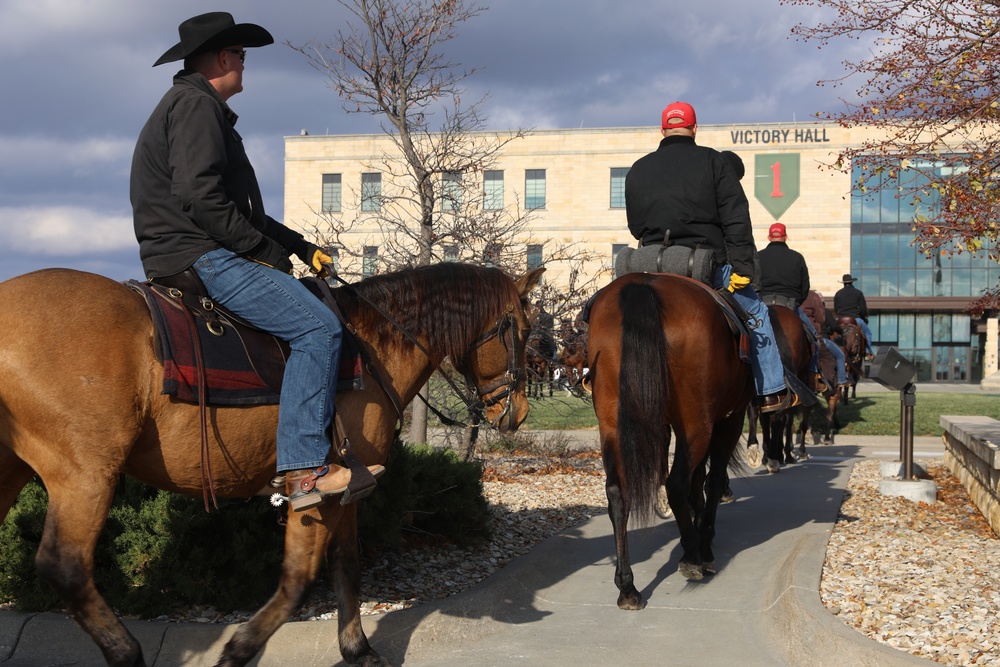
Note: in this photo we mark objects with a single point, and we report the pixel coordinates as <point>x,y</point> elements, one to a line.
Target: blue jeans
<point>278,303</point>
<point>768,374</point>
<point>808,324</point>
<point>868,334</point>
<point>839,357</point>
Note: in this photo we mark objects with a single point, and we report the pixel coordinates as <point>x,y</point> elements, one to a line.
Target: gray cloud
<point>78,85</point>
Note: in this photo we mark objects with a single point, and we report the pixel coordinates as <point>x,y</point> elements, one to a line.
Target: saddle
<point>240,364</point>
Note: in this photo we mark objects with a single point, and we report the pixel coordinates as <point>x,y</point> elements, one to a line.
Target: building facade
<point>572,182</point>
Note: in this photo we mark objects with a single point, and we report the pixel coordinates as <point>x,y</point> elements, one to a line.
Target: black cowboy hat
<point>214,30</point>
<point>848,278</point>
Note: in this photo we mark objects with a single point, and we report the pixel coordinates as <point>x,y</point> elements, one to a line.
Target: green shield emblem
<point>776,181</point>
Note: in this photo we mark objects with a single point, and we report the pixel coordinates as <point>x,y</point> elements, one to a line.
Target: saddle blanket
<point>238,370</point>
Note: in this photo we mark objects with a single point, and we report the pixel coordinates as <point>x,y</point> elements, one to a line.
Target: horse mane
<point>445,304</point>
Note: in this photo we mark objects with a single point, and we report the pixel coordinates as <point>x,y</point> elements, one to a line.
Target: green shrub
<point>159,551</point>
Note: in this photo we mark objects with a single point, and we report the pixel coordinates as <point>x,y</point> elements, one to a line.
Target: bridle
<point>506,330</point>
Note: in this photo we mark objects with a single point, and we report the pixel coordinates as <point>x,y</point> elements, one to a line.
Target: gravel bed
<point>921,578</point>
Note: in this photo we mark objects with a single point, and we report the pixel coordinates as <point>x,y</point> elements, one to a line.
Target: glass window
<point>869,251</point>
<point>451,253</point>
<point>942,328</point>
<point>334,254</point>
<point>493,190</point>
<point>451,192</point>
<point>534,188</point>
<point>618,186</point>
<point>331,193</point>
<point>369,261</point>
<point>906,330</point>
<point>922,330</point>
<point>371,192</point>
<point>534,256</point>
<point>889,251</point>
<point>888,283</point>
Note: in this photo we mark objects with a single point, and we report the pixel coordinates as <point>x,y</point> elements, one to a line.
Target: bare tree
<point>432,204</point>
<point>930,84</point>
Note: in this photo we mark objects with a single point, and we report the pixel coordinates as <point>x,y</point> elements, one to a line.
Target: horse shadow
<point>575,568</point>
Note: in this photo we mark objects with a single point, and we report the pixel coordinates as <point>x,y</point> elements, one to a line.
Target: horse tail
<point>642,399</point>
<point>784,348</point>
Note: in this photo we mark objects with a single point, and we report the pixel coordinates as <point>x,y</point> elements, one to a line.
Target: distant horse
<point>540,365</point>
<point>573,358</point>
<point>827,368</point>
<point>662,358</point>
<point>81,403</point>
<point>854,351</point>
<point>777,428</point>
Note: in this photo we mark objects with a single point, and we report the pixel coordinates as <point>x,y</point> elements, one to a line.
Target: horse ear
<point>529,281</point>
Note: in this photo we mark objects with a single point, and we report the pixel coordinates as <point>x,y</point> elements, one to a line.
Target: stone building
<point>572,181</point>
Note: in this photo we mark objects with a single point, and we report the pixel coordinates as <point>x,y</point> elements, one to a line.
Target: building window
<point>534,188</point>
<point>371,192</point>
<point>493,190</point>
<point>534,256</point>
<point>331,193</point>
<point>451,192</point>
<point>451,253</point>
<point>334,254</point>
<point>618,186</point>
<point>883,256</point>
<point>369,261</point>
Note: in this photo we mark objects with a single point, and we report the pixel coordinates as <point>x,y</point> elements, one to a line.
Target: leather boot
<point>308,488</point>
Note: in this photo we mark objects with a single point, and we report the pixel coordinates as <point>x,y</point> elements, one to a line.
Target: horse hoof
<point>773,466</point>
<point>755,457</point>
<point>708,568</point>
<point>631,601</point>
<point>691,571</point>
<point>662,507</point>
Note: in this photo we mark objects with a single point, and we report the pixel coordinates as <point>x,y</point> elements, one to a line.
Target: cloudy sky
<point>77,85</point>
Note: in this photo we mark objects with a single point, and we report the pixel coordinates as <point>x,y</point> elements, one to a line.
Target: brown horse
<point>827,368</point>
<point>573,358</point>
<point>539,365</point>
<point>853,343</point>
<point>662,358</point>
<point>81,403</point>
<point>777,429</point>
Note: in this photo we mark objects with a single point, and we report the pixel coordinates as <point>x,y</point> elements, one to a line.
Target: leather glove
<point>269,253</point>
<point>737,281</point>
<point>313,257</point>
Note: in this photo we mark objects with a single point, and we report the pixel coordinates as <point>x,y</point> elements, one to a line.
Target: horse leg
<point>770,428</point>
<point>679,489</point>
<point>788,426</point>
<point>14,474</point>
<point>307,536</point>
<point>803,430</point>
<point>65,560</point>
<point>725,438</point>
<point>345,573</point>
<point>628,598</point>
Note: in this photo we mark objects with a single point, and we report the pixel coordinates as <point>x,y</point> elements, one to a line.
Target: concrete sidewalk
<point>557,604</point>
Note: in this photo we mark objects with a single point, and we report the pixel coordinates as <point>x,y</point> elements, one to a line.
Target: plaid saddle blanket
<point>242,365</point>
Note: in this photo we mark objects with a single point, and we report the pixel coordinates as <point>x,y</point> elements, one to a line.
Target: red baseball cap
<point>678,115</point>
<point>777,231</point>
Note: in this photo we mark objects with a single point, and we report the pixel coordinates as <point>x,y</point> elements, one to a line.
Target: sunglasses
<point>242,53</point>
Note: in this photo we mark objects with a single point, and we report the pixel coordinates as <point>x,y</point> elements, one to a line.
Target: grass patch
<point>868,414</point>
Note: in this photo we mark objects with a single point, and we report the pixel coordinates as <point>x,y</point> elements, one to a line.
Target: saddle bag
<point>696,263</point>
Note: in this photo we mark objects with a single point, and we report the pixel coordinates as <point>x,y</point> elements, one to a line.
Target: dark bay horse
<point>81,403</point>
<point>853,342</point>
<point>663,360</point>
<point>827,367</point>
<point>778,428</point>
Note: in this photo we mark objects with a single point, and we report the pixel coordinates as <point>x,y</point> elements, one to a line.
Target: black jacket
<point>192,186</point>
<point>849,300</point>
<point>692,192</point>
<point>783,271</point>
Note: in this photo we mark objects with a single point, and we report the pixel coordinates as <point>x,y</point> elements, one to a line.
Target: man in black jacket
<point>690,195</point>
<point>196,205</point>
<point>784,281</point>
<point>849,301</point>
